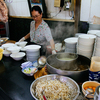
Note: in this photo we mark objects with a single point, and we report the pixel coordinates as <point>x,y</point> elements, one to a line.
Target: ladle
<point>88,91</point>
<point>41,61</point>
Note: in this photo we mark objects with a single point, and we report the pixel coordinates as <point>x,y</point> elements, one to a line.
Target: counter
<point>14,84</point>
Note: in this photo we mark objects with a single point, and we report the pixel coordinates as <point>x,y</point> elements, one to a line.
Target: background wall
<point>89,8</point>
<point>18,7</point>
<point>19,27</point>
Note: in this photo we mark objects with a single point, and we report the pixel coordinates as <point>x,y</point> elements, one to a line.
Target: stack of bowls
<point>94,26</point>
<point>70,44</point>
<point>85,45</point>
<point>97,45</point>
<point>32,52</point>
<point>5,47</point>
<point>93,32</point>
<point>77,34</point>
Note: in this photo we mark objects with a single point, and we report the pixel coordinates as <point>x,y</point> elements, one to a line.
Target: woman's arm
<point>52,46</point>
<point>25,37</point>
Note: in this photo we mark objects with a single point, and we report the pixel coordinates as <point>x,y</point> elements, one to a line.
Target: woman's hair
<point>36,8</point>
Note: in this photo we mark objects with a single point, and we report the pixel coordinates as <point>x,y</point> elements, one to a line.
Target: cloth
<point>40,73</point>
<point>3,12</point>
<point>42,34</point>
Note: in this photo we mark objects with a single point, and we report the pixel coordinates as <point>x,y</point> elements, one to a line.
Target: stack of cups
<point>85,45</point>
<point>70,44</point>
<point>97,45</point>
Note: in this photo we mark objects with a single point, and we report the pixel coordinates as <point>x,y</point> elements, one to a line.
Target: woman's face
<point>36,16</point>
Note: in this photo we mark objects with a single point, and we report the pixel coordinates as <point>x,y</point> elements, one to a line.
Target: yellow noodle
<point>54,90</point>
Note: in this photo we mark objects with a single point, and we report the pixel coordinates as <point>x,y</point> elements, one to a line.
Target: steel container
<point>54,66</point>
<point>63,79</point>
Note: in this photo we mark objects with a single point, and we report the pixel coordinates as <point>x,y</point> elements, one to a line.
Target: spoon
<point>43,95</point>
<point>88,91</point>
<point>41,61</point>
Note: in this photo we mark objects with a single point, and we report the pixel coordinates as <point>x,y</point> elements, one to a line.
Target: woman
<point>39,31</point>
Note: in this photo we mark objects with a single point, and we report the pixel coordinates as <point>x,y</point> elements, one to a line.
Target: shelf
<point>50,19</point>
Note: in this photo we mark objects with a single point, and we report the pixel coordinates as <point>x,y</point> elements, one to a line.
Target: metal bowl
<point>67,58</point>
<point>63,79</point>
<point>59,67</point>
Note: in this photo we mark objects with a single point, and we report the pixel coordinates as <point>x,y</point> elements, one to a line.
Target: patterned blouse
<point>42,34</point>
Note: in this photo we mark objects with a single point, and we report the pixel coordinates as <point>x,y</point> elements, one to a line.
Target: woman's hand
<point>22,39</point>
<point>53,51</point>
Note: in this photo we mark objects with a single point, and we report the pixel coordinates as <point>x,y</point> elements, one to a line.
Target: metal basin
<point>54,66</point>
<point>63,79</point>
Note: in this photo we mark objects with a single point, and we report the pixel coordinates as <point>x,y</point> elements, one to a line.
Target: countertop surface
<point>14,85</point>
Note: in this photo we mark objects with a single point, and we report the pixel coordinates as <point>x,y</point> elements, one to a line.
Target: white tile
<point>12,8</point>
<point>25,9</point>
<point>61,15</point>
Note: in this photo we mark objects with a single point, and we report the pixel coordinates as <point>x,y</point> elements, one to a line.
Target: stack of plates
<point>70,44</point>
<point>32,52</point>
<point>85,45</point>
<point>97,45</point>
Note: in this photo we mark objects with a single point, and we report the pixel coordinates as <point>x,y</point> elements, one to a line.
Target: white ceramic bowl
<point>6,53</point>
<point>5,46</point>
<point>21,44</point>
<point>77,34</point>
<point>85,47</point>
<point>86,53</point>
<point>86,39</point>
<point>89,83</point>
<point>97,52</point>
<point>93,32</point>
<point>32,47</point>
<point>14,49</point>
<point>70,50</point>
<point>71,40</point>
<point>17,56</point>
<point>94,26</point>
<point>32,58</point>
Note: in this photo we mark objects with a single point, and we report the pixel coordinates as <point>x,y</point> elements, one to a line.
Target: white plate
<point>87,36</point>
<point>32,47</point>
<point>71,40</point>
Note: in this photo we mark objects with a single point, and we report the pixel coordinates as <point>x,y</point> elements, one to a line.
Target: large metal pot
<point>54,66</point>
